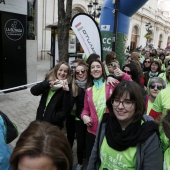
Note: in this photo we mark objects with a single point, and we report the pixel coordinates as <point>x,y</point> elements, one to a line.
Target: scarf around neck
<point>81,84</point>
<point>153,74</point>
<point>135,133</point>
<point>98,82</point>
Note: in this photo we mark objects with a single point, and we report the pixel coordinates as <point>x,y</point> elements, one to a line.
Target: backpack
<point>11,129</point>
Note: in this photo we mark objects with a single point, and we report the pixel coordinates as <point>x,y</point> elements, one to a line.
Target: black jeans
<point>81,129</point>
<point>70,128</point>
<point>90,139</point>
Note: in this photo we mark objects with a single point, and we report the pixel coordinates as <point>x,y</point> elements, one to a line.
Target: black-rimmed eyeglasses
<point>126,103</point>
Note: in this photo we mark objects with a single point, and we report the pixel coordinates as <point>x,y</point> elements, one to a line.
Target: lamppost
<point>94,9</point>
<point>149,32</point>
<point>116,13</point>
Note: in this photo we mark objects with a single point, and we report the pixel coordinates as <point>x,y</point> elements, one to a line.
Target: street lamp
<point>94,9</point>
<point>116,13</point>
<point>149,32</point>
<point>148,26</point>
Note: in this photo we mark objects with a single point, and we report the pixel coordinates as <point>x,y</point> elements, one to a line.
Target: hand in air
<point>118,72</point>
<point>65,85</point>
<point>112,81</point>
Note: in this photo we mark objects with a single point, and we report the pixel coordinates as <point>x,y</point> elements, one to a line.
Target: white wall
<point>31,53</point>
<point>14,6</point>
<point>149,13</point>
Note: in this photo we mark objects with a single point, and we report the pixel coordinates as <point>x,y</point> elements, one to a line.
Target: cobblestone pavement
<point>21,106</point>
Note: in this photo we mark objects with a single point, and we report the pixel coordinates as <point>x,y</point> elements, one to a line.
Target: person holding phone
<point>115,72</point>
<point>53,90</point>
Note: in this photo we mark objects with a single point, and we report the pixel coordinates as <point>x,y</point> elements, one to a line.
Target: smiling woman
<point>54,89</point>
<point>126,134</point>
<point>96,94</point>
<point>156,84</point>
<point>77,92</point>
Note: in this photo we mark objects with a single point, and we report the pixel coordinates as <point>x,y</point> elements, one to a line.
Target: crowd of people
<point>118,115</point>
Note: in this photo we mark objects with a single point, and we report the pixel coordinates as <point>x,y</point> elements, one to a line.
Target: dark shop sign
<point>14,29</point>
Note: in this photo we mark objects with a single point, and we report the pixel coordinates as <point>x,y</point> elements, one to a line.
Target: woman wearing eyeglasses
<point>132,70</point>
<point>77,91</point>
<point>154,72</point>
<point>156,84</point>
<point>126,138</point>
<point>96,94</point>
<point>146,64</point>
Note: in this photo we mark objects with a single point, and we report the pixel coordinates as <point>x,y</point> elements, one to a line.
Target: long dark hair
<point>89,76</point>
<point>134,72</point>
<point>158,64</point>
<point>135,93</point>
<point>92,57</point>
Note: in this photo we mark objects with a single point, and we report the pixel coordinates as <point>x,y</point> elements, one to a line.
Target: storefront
<point>13,21</point>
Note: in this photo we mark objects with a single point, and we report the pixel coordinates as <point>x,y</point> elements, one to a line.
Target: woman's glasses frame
<point>127,104</point>
<point>128,72</point>
<point>78,71</point>
<point>147,62</point>
<point>152,86</point>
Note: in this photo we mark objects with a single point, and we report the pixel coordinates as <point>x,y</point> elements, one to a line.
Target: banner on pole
<point>88,34</point>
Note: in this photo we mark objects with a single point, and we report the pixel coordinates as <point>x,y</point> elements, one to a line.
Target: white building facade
<point>150,13</point>
<point>46,12</point>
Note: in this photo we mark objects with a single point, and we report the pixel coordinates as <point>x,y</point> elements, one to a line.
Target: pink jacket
<point>89,108</point>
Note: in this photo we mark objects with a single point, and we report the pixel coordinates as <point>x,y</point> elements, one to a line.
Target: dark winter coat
<point>78,101</point>
<point>58,106</point>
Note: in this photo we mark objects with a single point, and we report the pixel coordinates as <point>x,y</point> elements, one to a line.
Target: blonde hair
<point>134,57</point>
<point>74,85</point>
<point>52,74</point>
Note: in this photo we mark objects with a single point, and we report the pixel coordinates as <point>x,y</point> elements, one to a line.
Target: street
<point>21,106</point>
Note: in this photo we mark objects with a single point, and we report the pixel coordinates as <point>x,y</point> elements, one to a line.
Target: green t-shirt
<point>50,95</point>
<point>163,67</point>
<point>150,104</point>
<point>99,99</point>
<point>161,104</point>
<point>142,58</point>
<point>167,56</point>
<point>167,160</point>
<point>164,140</point>
<point>163,76</point>
<point>162,101</point>
<point>117,160</point>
